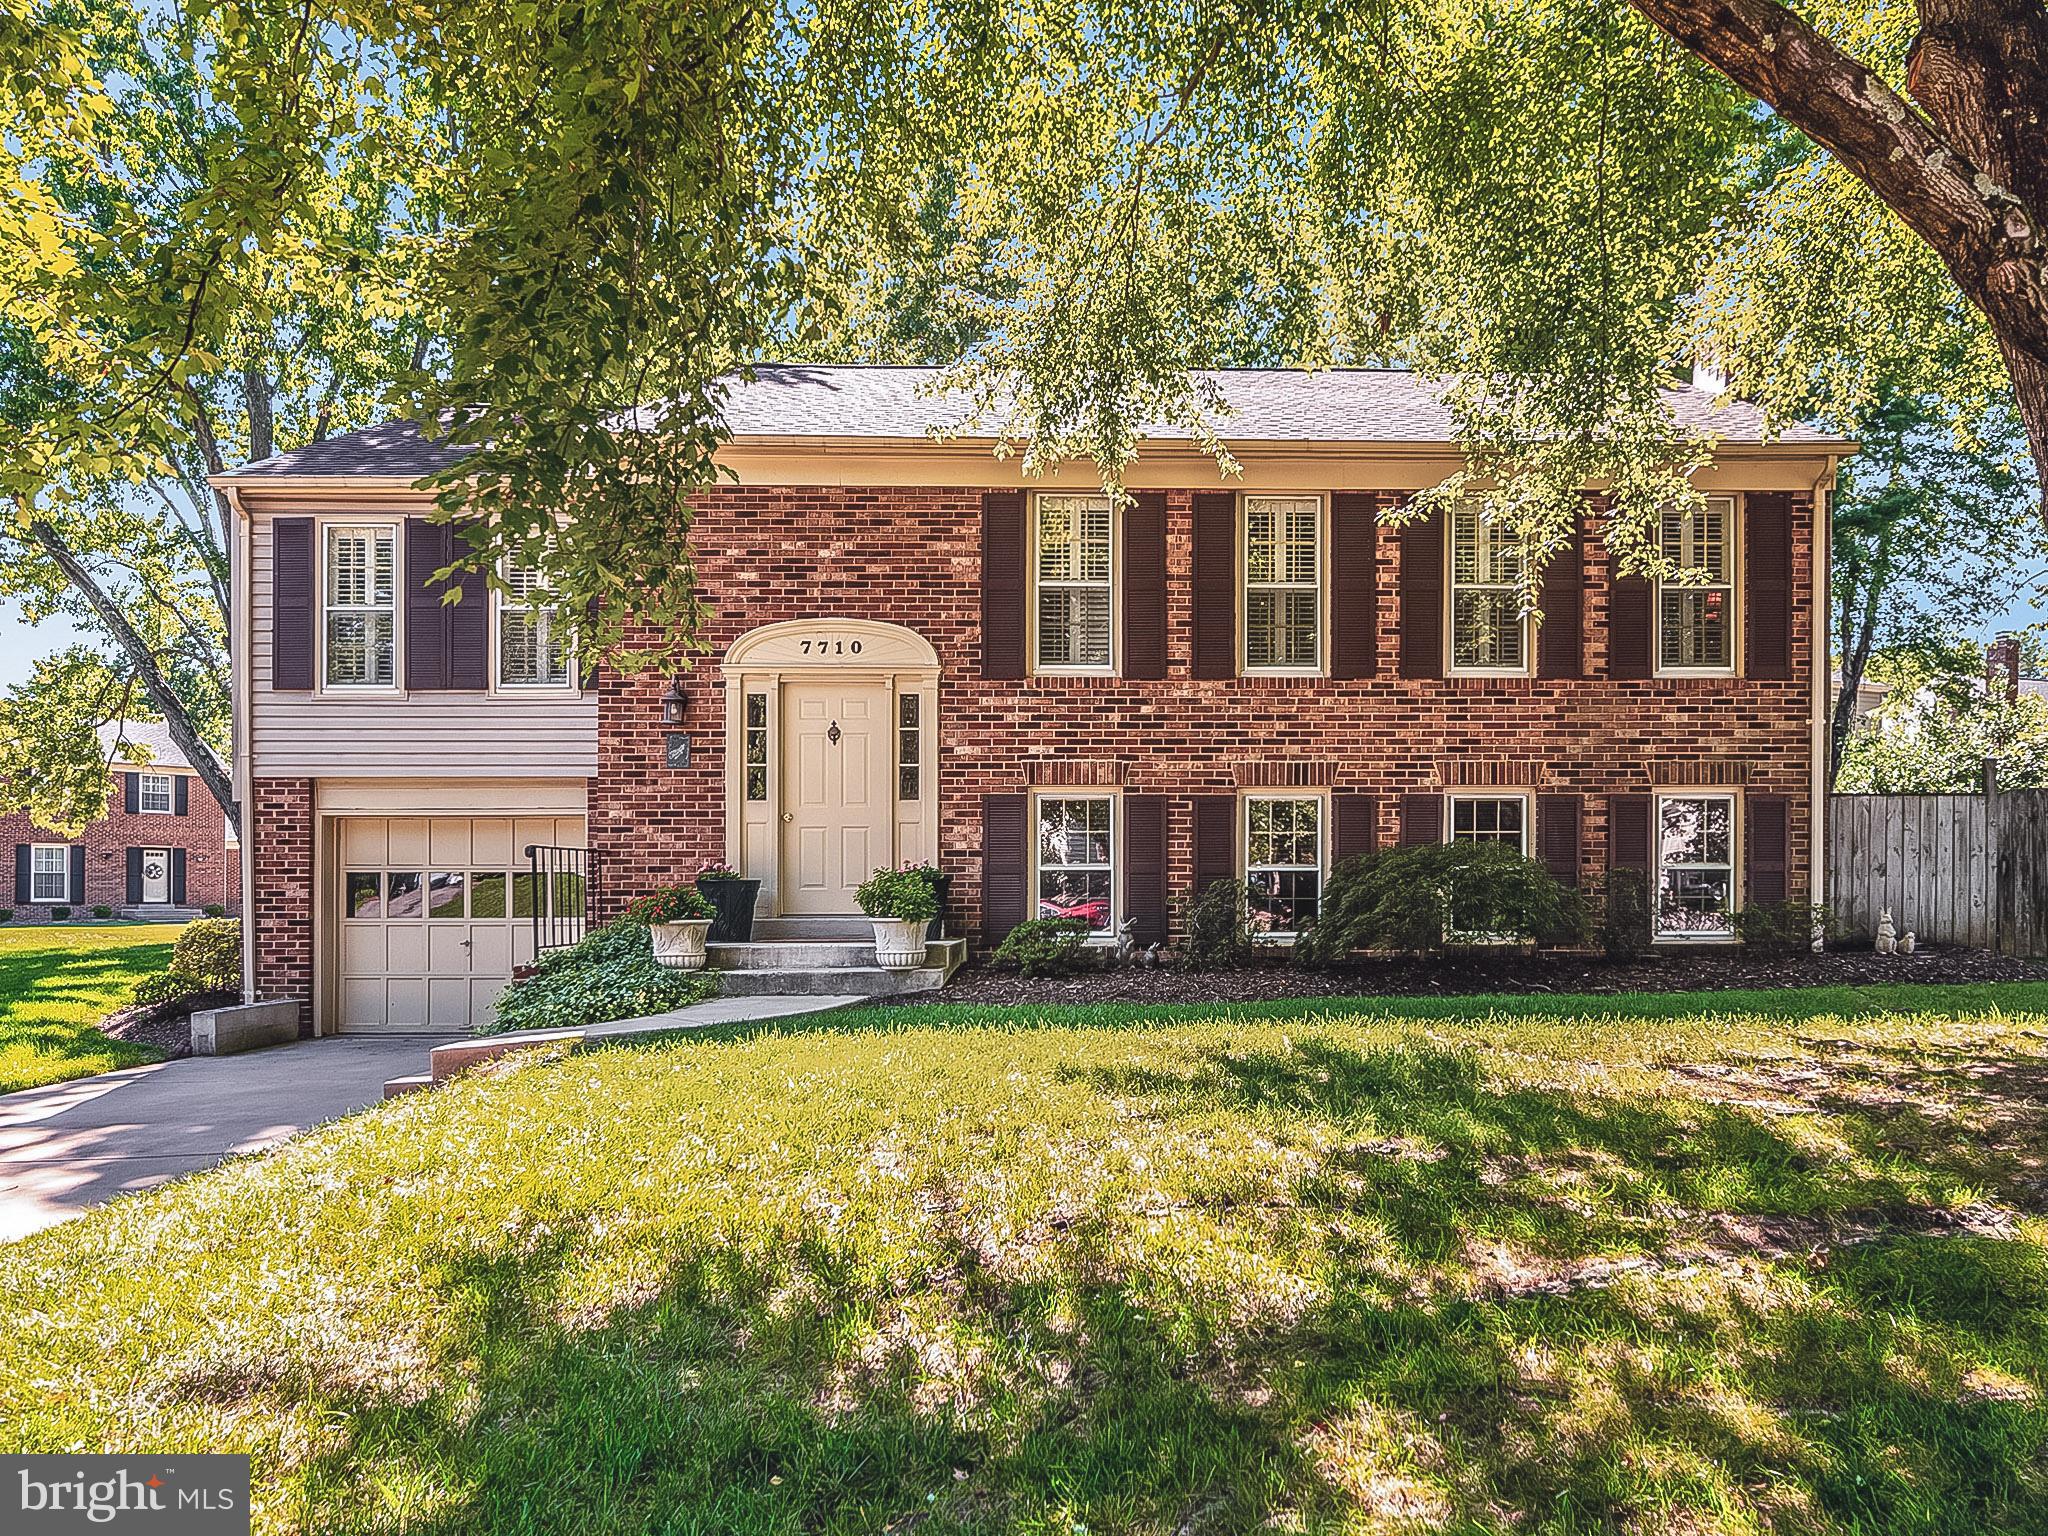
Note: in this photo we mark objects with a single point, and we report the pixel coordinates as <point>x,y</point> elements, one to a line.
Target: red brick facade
<point>280,840</point>
<point>212,868</point>
<point>912,557</point>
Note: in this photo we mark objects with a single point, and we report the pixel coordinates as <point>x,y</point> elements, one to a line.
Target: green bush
<point>59,914</point>
<point>102,911</point>
<point>160,988</point>
<point>670,904</point>
<point>208,954</point>
<point>611,975</point>
<point>6,914</point>
<point>1625,930</point>
<point>1218,934</point>
<point>1438,896</point>
<point>214,909</point>
<point>899,893</point>
<point>1044,946</point>
<point>1779,927</point>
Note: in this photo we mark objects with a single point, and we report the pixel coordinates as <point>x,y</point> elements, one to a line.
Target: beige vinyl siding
<point>424,735</point>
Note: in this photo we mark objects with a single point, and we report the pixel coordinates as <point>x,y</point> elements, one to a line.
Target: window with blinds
<point>361,610</point>
<point>1489,630</point>
<point>1283,568</point>
<point>533,643</point>
<point>1696,608</point>
<point>1072,577</point>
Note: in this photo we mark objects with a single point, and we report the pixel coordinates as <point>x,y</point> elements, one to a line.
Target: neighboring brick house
<point>161,850</point>
<point>916,653</point>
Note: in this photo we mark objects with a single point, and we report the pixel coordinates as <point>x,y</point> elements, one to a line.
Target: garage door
<point>435,913</point>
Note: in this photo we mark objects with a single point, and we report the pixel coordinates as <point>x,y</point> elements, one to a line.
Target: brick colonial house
<point>918,654</point>
<point>161,850</point>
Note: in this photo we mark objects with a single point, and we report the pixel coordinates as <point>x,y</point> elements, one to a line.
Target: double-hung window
<point>1283,571</point>
<point>1502,819</point>
<point>1696,611</point>
<point>1072,573</point>
<point>1695,866</point>
<point>533,643</point>
<point>1489,629</point>
<point>1077,858</point>
<point>361,606</point>
<point>1283,863</point>
<point>49,873</point>
<point>153,793</point>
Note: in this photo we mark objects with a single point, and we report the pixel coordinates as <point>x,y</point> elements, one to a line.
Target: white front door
<point>156,876</point>
<point>837,819</point>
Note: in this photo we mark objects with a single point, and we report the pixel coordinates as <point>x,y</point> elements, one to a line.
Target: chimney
<point>2002,667</point>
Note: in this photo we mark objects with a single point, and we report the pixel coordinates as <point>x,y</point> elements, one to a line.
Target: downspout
<point>238,682</point>
<point>1823,581</point>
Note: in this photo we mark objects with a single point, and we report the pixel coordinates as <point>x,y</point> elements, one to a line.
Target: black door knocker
<point>833,734</point>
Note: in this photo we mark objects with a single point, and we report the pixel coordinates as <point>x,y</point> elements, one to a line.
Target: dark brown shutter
<point>1005,864</point>
<point>1354,825</point>
<point>1003,558</point>
<point>293,604</point>
<point>1215,584</point>
<point>1629,627</point>
<point>1767,847</point>
<point>1422,820</point>
<point>1144,856</point>
<point>1215,840</point>
<point>78,874</point>
<point>426,618</point>
<point>469,624</point>
<point>1422,597</point>
<point>1560,640</point>
<point>23,889</point>
<point>131,793</point>
<point>1628,832</point>
<point>1767,583</point>
<point>1144,583</point>
<point>1354,584</point>
<point>1558,835</point>
<point>181,795</point>
<point>134,877</point>
<point>177,877</point>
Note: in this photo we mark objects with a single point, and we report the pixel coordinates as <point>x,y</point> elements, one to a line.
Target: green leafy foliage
<point>1438,895</point>
<point>60,914</point>
<point>901,893</point>
<point>611,974</point>
<point>1938,726</point>
<point>1626,915</point>
<point>1218,934</point>
<point>1043,946</point>
<point>1779,927</point>
<point>207,957</point>
<point>670,904</point>
<point>102,911</point>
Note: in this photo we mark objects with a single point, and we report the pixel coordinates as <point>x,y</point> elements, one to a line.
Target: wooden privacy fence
<point>1955,869</point>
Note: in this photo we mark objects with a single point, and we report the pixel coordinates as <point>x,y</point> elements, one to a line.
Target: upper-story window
<point>533,643</point>
<point>361,608</point>
<point>153,793</point>
<point>1696,617</point>
<point>1283,580</point>
<point>1072,564</point>
<point>1489,630</point>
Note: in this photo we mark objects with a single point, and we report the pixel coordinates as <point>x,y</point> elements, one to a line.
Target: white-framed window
<point>533,643</point>
<point>1489,630</point>
<point>1500,819</point>
<point>1283,583</point>
<point>1073,567</point>
<point>49,873</point>
<point>1695,866</point>
<point>360,633</point>
<point>154,793</point>
<point>1076,859</point>
<point>1696,617</point>
<point>1283,863</point>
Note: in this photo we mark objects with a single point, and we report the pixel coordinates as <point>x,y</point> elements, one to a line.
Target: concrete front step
<point>814,954</point>
<point>161,914</point>
<point>850,929</point>
<point>857,980</point>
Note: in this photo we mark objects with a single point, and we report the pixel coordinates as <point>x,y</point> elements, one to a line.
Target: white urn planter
<point>899,943</point>
<point>680,946</point>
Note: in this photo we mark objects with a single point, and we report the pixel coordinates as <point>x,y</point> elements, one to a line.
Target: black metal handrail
<point>560,895</point>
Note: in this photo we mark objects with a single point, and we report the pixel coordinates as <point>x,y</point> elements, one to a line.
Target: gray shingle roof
<point>797,400</point>
<point>154,740</point>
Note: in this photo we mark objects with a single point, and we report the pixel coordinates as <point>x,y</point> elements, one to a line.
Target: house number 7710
<point>830,647</point>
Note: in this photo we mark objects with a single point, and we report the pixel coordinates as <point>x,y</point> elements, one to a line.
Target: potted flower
<point>733,896</point>
<point>942,893</point>
<point>678,919</point>
<point>902,903</point>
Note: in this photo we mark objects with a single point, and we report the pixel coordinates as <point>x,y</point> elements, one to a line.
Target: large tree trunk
<point>1970,177</point>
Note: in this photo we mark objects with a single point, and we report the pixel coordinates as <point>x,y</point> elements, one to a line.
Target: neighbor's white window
<point>1489,630</point>
<point>1076,858</point>
<point>1695,866</point>
<point>1695,618</point>
<point>533,643</point>
<point>362,616</point>
<point>1072,576</point>
<point>1283,568</point>
<point>1500,819</point>
<point>153,792</point>
<point>1283,863</point>
<point>50,873</point>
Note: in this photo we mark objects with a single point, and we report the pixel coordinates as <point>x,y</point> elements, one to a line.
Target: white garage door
<point>435,913</point>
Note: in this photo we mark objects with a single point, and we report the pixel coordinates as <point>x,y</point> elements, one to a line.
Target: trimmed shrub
<point>209,954</point>
<point>6,914</point>
<point>670,904</point>
<point>1044,946</point>
<point>611,975</point>
<point>1779,927</point>
<point>1218,933</point>
<point>1625,931</point>
<point>900,893</point>
<point>59,914</point>
<point>214,909</point>
<point>1439,896</point>
<point>160,988</point>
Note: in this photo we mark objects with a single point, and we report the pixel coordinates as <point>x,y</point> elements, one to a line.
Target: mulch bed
<point>1685,971</point>
<point>166,1025</point>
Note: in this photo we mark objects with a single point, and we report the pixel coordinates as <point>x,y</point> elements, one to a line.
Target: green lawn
<point>1625,1265</point>
<point>57,982</point>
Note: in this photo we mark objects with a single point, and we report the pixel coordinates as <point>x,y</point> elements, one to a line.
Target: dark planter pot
<point>942,888</point>
<point>734,899</point>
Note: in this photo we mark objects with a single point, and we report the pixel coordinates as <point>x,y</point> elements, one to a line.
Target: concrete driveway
<point>71,1145</point>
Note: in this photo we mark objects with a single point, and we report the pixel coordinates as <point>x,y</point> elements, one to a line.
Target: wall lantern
<point>675,704</point>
